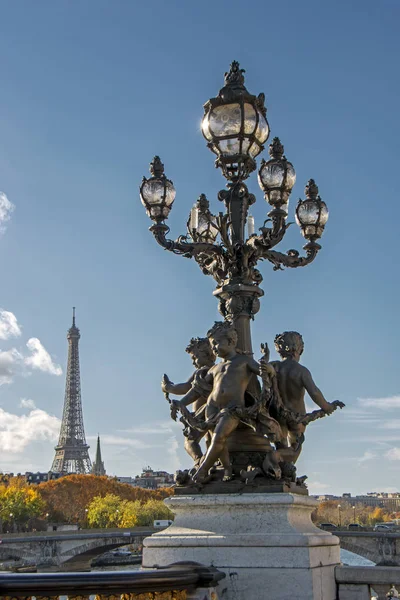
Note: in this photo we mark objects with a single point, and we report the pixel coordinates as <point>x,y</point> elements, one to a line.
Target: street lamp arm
<point>292,258</point>
<point>181,245</point>
<point>270,236</point>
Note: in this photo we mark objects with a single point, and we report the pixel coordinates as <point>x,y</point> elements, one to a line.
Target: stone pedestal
<point>265,543</point>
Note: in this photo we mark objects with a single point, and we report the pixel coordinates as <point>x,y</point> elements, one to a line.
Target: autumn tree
<point>68,498</point>
<point>19,503</point>
<point>105,511</point>
<point>344,513</point>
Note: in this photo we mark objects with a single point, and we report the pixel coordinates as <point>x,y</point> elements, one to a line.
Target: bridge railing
<point>181,581</point>
<point>361,583</point>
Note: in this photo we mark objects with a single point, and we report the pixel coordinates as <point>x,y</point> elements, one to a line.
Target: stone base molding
<point>265,543</point>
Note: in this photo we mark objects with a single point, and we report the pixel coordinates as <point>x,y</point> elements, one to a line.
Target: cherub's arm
<point>176,388</point>
<point>254,366</point>
<point>314,392</point>
<point>189,398</point>
<point>193,394</point>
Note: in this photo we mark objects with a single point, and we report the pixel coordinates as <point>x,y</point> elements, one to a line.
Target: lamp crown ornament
<point>311,190</point>
<point>156,167</point>
<point>234,77</point>
<point>275,149</point>
<point>202,203</point>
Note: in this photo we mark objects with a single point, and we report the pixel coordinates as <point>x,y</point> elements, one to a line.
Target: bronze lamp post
<point>236,128</point>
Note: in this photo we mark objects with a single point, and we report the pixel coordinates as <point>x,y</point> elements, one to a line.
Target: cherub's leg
<point>224,428</point>
<point>296,440</point>
<point>192,445</point>
<point>226,463</point>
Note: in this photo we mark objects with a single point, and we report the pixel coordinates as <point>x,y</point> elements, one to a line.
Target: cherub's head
<point>289,344</point>
<point>201,352</point>
<point>223,338</point>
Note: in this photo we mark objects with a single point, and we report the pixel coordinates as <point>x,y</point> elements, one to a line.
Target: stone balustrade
<point>362,583</point>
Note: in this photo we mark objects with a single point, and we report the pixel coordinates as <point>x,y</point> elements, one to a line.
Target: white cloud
<point>368,455</point>
<point>9,326</point>
<point>17,432</point>
<point>116,440</point>
<point>382,403</point>
<point>154,428</point>
<point>10,362</point>
<point>392,424</point>
<point>40,358</point>
<point>27,403</point>
<point>6,208</point>
<point>393,454</point>
<point>172,449</point>
<point>318,487</point>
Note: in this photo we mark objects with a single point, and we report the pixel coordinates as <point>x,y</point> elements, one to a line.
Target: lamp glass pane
<point>153,191</point>
<point>225,120</point>
<point>290,176</point>
<point>307,213</point>
<point>170,193</point>
<point>254,150</point>
<point>262,129</point>
<point>205,125</point>
<point>272,174</point>
<point>324,214</point>
<point>250,119</point>
<point>245,146</point>
<point>230,147</point>
<point>206,229</point>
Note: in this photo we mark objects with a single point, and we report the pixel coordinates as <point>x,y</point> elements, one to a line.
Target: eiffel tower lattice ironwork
<point>72,452</point>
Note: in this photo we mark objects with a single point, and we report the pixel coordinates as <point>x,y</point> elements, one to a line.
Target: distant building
<point>387,500</point>
<point>128,480</point>
<point>390,501</point>
<point>149,479</point>
<point>98,465</point>
<point>34,478</point>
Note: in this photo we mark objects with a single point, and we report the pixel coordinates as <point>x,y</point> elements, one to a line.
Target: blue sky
<point>89,93</point>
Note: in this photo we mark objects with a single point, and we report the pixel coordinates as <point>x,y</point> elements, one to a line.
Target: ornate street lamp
<point>236,128</point>
<point>157,193</point>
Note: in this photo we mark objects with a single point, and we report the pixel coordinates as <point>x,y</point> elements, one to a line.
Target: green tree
<point>105,511</point>
<point>151,511</point>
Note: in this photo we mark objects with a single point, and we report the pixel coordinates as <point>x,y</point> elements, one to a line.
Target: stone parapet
<point>359,583</point>
<point>265,543</point>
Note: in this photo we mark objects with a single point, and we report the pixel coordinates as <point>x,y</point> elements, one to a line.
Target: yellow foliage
<point>19,501</point>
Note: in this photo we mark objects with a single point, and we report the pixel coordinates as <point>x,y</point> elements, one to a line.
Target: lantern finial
<point>234,77</point>
<point>276,149</point>
<point>156,167</point>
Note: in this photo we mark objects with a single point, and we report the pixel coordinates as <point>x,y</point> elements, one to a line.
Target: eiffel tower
<point>72,454</point>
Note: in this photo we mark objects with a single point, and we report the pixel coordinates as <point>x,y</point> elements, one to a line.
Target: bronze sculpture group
<point>227,399</point>
<point>249,416</point>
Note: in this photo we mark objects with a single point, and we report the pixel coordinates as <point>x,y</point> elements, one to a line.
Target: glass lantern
<point>202,225</point>
<point>157,193</point>
<point>277,177</point>
<point>235,126</point>
<point>312,213</point>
